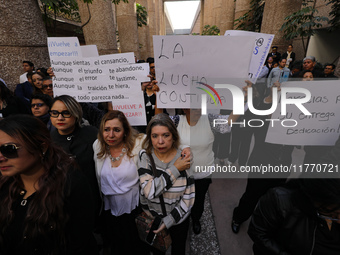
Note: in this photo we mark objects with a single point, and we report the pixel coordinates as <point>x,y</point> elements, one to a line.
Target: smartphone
<point>151,235</point>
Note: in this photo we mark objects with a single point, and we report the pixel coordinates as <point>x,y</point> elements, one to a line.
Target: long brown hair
<point>130,134</point>
<point>46,217</point>
<point>161,119</point>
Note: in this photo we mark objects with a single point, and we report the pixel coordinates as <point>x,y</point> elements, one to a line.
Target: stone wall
<point>23,37</point>
<point>100,28</point>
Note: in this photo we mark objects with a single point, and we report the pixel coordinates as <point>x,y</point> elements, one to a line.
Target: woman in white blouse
<point>115,155</point>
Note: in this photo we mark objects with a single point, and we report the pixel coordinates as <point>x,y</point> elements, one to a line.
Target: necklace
<point>24,201</point>
<point>113,159</point>
<point>156,153</point>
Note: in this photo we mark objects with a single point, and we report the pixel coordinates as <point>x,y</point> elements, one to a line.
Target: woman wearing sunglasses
<point>76,139</point>
<point>40,106</point>
<point>46,206</point>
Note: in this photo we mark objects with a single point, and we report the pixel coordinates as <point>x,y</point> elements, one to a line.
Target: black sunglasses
<point>9,150</point>
<point>37,105</point>
<point>55,114</point>
<point>47,86</point>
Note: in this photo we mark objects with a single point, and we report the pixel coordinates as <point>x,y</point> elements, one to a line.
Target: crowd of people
<point>70,172</point>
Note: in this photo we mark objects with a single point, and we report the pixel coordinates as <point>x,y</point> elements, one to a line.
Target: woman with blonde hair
<point>115,156</point>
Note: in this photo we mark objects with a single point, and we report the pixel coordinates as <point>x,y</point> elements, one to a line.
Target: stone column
<point>241,7</point>
<point>152,24</point>
<point>23,37</point>
<point>127,27</point>
<point>143,35</point>
<point>101,28</point>
<point>160,17</point>
<point>208,7</point>
<point>216,13</point>
<point>273,17</point>
<point>227,16</point>
<point>202,16</point>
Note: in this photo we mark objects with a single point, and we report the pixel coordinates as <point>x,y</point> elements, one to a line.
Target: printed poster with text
<point>108,78</point>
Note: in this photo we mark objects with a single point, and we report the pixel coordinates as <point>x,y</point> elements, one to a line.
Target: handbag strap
<point>153,166</point>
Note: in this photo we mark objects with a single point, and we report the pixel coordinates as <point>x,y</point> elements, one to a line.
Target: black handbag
<point>146,225</point>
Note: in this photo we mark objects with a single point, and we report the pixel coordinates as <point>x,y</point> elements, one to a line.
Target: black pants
<point>121,234</point>
<point>254,190</point>
<point>178,235</point>
<point>221,145</point>
<point>201,188</point>
<point>240,144</point>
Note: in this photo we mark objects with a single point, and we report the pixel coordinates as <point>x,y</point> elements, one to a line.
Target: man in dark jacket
<point>302,217</point>
<point>328,71</point>
<point>290,56</point>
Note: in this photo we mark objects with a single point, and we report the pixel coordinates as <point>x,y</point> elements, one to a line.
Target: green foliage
<point>210,30</point>
<point>334,14</point>
<point>142,15</point>
<point>65,7</point>
<point>251,20</point>
<point>68,7</point>
<point>302,23</point>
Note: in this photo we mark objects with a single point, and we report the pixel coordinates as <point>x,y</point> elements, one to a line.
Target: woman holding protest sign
<point>198,131</point>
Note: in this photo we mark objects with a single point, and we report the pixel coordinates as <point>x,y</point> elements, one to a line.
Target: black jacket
<point>285,222</point>
<point>78,205</point>
<point>78,145</point>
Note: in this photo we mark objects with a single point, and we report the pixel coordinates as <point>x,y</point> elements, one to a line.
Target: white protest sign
<point>261,48</point>
<point>105,78</point>
<point>89,51</point>
<point>63,47</point>
<point>185,63</point>
<point>134,109</point>
<point>322,127</point>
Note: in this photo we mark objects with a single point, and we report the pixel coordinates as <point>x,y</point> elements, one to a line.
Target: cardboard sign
<point>322,127</point>
<point>261,49</point>
<point>185,63</point>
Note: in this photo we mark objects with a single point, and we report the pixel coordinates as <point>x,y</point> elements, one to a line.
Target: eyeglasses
<point>9,150</point>
<point>47,86</point>
<point>55,114</point>
<point>326,217</point>
<point>37,105</point>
